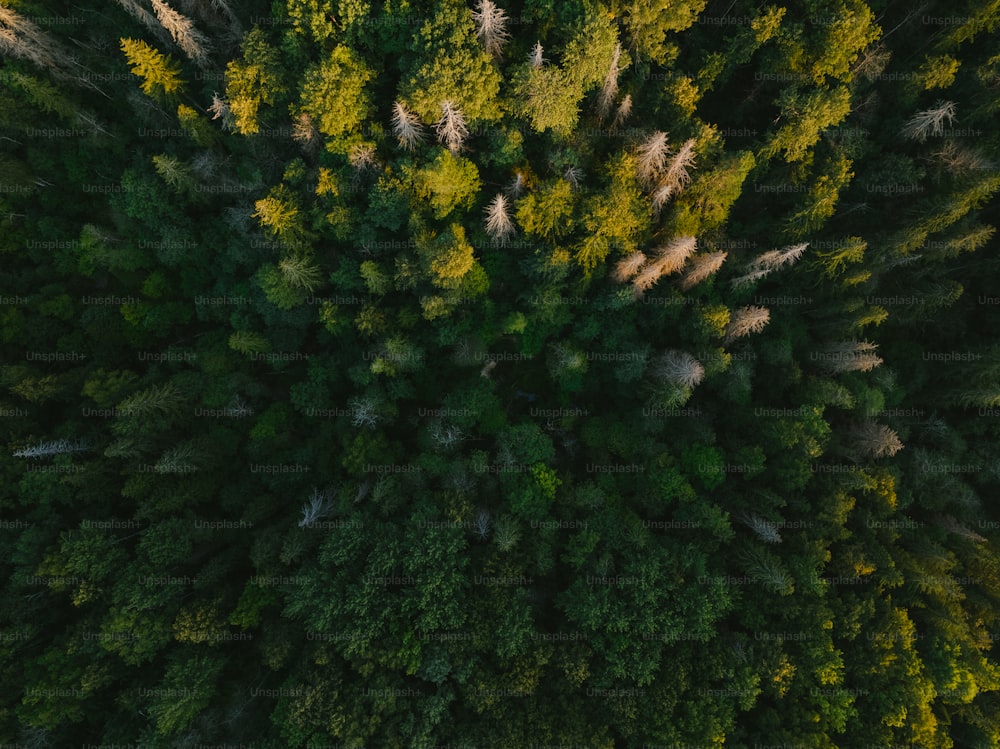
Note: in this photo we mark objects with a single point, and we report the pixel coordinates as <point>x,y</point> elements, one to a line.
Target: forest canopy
<point>473,373</point>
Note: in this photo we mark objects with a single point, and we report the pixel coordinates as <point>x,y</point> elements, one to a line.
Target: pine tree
<point>499,224</point>
<point>490,27</point>
<point>701,267</point>
<point>623,111</point>
<point>930,121</point>
<point>628,266</point>
<point>766,531</point>
<point>651,158</point>
<point>304,132</point>
<point>54,447</point>
<point>873,440</point>
<point>679,368</point>
<point>675,177</point>
<point>481,525</point>
<point>299,271</point>
<point>22,38</point>
<point>159,72</point>
<point>849,356</point>
<point>406,126</point>
<point>319,506</point>
<point>747,320</point>
<point>451,128</point>
<point>182,30</point>
<point>535,56</point>
<point>609,90</point>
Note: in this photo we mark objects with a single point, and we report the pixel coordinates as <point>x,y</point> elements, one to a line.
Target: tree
<point>849,356</point>
<point>746,320</point>
<point>333,94</point>
<point>610,88</point>
<point>159,73</point>
<point>251,82</point>
<point>182,30</point>
<point>451,128</point>
<point>406,126</point>
<point>449,183</point>
<point>929,121</point>
<point>499,224</point>
<point>873,440</point>
<point>451,66</point>
<point>680,368</point>
<point>701,267</point>
<point>490,27</point>
<point>675,177</point>
<point>651,158</point>
<point>629,266</point>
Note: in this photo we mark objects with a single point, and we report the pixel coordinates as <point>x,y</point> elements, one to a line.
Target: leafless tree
<point>481,525</point>
<point>675,177</point>
<point>701,267</point>
<point>143,16</point>
<point>499,224</point>
<point>536,56</point>
<point>491,26</point>
<point>747,320</point>
<point>22,38</point>
<point>320,505</point>
<point>406,126</point>
<point>183,31</point>
<point>651,158</point>
<point>451,128</point>
<point>873,440</point>
<point>610,88</point>
<point>446,435</point>
<point>54,447</point>
<point>623,111</point>
<point>364,412</point>
<point>362,157</point>
<point>628,266</point>
<point>516,186</point>
<point>671,257</point>
<point>765,530</point>
<point>849,356</point>
<point>304,132</point>
<point>220,110</point>
<point>930,121</point>
<point>573,175</point>
<point>680,368</point>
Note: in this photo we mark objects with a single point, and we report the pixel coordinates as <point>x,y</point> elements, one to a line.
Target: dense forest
<point>420,373</point>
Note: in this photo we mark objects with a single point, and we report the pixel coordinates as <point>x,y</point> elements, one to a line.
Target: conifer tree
<point>183,32</point>
<point>159,73</point>
<point>406,126</point>
<point>491,27</point>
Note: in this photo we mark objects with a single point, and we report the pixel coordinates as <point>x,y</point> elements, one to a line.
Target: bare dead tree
<point>182,30</point>
<point>536,56</point>
<point>679,367</point>
<point>675,177</point>
<point>849,356</point>
<point>701,267</point>
<point>499,224</point>
<point>930,121</point>
<point>747,320</point>
<point>623,111</point>
<point>451,128</point>
<point>491,24</point>
<point>651,158</point>
<point>873,440</point>
<point>609,90</point>
<point>406,126</point>
<point>628,266</point>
